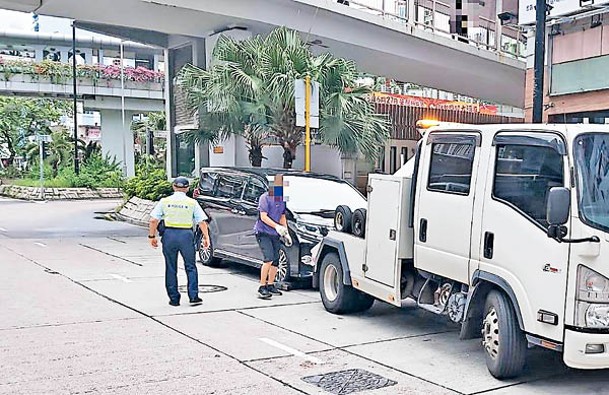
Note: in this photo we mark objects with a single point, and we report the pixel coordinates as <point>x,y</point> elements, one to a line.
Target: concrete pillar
<point>39,52</point>
<point>155,62</point>
<point>100,56</point>
<point>117,139</point>
<point>65,55</point>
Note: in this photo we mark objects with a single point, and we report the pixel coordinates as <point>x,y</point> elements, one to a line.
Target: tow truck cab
<point>502,228</point>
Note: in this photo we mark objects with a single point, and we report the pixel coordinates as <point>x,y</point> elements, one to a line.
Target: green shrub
<point>150,183</point>
<point>95,172</point>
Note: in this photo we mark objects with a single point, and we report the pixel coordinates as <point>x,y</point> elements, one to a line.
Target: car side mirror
<point>557,211</point>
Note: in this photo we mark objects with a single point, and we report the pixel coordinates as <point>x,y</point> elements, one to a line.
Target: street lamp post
<point>539,65</point>
<point>76,169</point>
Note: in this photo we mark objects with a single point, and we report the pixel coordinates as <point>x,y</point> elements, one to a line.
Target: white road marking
<point>41,244</point>
<point>125,279</point>
<point>3,229</point>
<point>291,350</point>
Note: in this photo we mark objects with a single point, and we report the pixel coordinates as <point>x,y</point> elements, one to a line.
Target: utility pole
<point>539,65</point>
<point>76,169</point>
<point>307,123</point>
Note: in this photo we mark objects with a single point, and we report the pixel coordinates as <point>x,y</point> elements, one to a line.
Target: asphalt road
<point>83,310</point>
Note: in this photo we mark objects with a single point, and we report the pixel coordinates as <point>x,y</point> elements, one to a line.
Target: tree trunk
<point>256,156</point>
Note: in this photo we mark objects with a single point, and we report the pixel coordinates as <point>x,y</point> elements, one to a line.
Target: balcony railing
<point>513,51</point>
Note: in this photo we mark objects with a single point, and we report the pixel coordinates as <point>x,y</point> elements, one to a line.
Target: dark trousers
<point>182,241</point>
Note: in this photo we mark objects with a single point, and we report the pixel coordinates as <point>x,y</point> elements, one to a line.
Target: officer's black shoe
<point>195,301</point>
<point>174,303</point>
<point>263,292</point>
<point>274,291</point>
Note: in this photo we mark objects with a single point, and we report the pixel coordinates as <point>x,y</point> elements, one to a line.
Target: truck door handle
<point>423,230</point>
<point>489,242</point>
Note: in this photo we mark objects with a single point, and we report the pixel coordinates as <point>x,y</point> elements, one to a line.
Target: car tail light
<point>196,193</point>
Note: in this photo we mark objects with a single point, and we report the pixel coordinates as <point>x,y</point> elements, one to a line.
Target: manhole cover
<point>204,288</point>
<point>349,381</point>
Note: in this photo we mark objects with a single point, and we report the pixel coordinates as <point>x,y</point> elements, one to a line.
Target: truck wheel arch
<point>328,246</point>
<point>483,283</point>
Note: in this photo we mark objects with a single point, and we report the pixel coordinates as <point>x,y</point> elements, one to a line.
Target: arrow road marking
<point>291,350</point>
<point>119,277</point>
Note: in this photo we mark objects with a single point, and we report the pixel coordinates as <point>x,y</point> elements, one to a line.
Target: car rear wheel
<point>342,219</point>
<point>359,222</point>
<point>283,270</point>
<point>206,255</point>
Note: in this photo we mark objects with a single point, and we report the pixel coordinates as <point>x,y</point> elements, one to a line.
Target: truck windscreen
<point>591,153</point>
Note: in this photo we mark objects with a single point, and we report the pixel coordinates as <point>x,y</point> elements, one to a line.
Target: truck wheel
<point>504,343</point>
<point>363,302</point>
<point>358,223</point>
<point>342,219</point>
<point>337,297</point>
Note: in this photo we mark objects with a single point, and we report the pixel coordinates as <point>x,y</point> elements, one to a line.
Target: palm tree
<point>251,87</point>
<point>59,150</point>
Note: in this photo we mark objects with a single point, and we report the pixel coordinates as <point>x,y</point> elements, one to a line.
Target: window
<point>451,167</point>
<point>253,190</point>
<point>524,175</point>
<point>393,162</point>
<point>207,183</point>
<point>404,155</point>
<point>230,186</point>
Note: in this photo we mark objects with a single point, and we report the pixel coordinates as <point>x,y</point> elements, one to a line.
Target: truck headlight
<point>592,299</point>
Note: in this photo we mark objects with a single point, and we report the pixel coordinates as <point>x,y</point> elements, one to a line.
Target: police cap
<point>181,182</point>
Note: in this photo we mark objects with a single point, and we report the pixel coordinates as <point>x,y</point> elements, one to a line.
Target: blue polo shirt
<point>274,208</point>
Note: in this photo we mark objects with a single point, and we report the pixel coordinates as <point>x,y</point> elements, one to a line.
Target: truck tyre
<point>504,343</point>
<point>358,224</point>
<point>337,297</point>
<point>342,219</point>
<point>364,302</point>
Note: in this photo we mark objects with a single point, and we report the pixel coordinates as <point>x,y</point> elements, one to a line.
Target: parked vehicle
<point>504,229</point>
<point>230,197</point>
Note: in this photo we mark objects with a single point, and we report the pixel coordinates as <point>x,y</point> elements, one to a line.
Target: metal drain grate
<point>349,381</point>
<point>203,288</point>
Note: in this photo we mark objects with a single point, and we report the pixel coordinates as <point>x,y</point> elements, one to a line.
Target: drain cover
<point>204,288</point>
<point>349,381</point>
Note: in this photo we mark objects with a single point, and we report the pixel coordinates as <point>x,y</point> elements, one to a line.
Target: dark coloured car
<point>230,196</point>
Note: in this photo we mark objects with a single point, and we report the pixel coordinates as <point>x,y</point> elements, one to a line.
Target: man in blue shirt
<point>179,213</point>
<point>270,227</point>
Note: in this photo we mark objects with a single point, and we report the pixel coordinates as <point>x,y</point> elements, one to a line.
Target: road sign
<point>45,138</point>
<point>299,96</point>
<point>526,8</point>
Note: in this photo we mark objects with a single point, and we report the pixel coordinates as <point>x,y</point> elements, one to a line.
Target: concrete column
<point>100,56</point>
<point>65,55</point>
<point>117,139</point>
<point>169,158</point>
<point>39,52</point>
<point>155,62</point>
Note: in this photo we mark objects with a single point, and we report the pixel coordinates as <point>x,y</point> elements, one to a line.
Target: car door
<point>445,203</point>
<point>515,245</point>
<point>254,188</point>
<point>224,210</point>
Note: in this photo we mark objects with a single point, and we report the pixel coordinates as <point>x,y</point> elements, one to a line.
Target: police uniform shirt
<point>178,211</point>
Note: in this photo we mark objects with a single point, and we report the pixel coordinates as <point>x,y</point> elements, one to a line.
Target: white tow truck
<point>502,228</point>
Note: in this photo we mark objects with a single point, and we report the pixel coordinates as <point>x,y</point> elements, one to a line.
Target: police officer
<point>178,211</point>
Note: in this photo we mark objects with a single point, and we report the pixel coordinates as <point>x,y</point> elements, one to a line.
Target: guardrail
<point>403,18</point>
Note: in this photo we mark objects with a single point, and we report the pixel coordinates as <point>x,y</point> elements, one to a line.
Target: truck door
<point>444,204</point>
<point>514,242</point>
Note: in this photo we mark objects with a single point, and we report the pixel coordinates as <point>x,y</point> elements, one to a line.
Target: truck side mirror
<point>557,213</point>
<point>559,204</point>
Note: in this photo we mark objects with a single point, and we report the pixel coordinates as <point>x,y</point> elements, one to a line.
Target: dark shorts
<point>269,245</point>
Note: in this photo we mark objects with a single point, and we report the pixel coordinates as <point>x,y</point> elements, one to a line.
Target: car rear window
<point>207,183</point>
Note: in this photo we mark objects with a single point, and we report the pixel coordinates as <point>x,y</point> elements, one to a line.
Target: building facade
<point>576,81</point>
